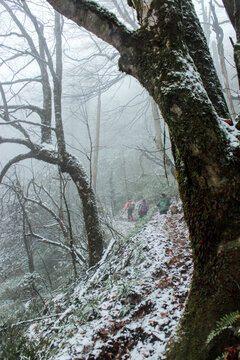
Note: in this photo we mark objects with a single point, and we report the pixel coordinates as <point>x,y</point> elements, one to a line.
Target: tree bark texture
<point>207,165</point>
<point>199,51</point>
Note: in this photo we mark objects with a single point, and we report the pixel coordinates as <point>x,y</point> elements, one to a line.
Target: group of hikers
<point>142,209</point>
<point>163,206</point>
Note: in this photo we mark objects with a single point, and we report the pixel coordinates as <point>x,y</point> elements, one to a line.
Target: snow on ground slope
<point>129,307</point>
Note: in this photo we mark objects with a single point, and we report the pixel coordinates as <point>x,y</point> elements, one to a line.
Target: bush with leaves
<point>232,323</point>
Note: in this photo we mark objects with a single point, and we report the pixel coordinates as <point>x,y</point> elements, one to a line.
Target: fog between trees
<point>54,74</point>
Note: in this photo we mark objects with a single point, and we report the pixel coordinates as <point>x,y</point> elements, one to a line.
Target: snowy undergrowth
<point>129,307</point>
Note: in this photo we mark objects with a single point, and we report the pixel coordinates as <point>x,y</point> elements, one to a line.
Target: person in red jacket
<point>130,205</point>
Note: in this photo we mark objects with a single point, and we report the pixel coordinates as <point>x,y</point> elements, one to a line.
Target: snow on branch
<point>50,211</point>
<point>18,141</point>
<point>13,161</point>
<point>97,20</point>
<point>56,243</point>
<point>28,123</point>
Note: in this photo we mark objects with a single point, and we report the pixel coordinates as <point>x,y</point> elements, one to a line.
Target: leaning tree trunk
<point>70,165</point>
<point>91,220</point>
<point>161,57</point>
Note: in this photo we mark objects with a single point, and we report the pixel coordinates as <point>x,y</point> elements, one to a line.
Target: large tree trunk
<point>208,181</point>
<point>90,214</point>
<point>198,50</point>
<point>207,164</point>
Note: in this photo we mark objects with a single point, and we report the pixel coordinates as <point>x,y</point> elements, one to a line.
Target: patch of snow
<point>128,308</point>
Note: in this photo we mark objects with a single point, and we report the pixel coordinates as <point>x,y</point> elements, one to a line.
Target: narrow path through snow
<point>132,304</point>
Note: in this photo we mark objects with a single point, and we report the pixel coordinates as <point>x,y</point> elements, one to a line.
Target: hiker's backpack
<point>131,205</point>
<point>144,208</point>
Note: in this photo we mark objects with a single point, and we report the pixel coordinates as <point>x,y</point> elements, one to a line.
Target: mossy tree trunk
<point>70,165</point>
<point>181,79</point>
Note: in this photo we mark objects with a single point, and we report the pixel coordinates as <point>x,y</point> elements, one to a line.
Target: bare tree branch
<point>37,79</point>
<point>6,114</point>
<point>50,211</point>
<point>55,243</point>
<point>11,34</point>
<point>13,161</point>
<point>88,14</point>
<point>11,122</point>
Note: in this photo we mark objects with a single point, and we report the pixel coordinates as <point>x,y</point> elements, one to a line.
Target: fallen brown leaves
<point>232,353</point>
<point>228,121</point>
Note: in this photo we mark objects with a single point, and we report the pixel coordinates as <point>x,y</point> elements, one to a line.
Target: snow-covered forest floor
<point>129,306</point>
